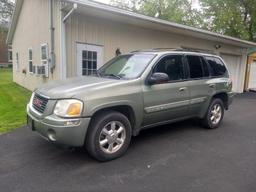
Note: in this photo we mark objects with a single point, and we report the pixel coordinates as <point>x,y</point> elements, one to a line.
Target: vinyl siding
<point>32,30</point>
<point>127,37</point>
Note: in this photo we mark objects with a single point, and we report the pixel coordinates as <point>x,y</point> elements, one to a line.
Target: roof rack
<point>176,49</point>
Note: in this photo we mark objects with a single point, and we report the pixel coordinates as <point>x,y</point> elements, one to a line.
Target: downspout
<point>63,68</point>
<point>52,29</point>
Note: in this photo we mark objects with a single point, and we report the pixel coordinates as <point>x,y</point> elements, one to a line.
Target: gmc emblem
<point>37,102</point>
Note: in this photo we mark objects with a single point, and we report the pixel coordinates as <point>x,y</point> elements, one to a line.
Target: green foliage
<point>13,100</point>
<point>235,18</point>
<point>6,10</point>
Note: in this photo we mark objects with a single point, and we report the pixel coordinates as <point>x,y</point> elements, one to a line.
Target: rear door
<point>200,85</point>
<point>170,100</point>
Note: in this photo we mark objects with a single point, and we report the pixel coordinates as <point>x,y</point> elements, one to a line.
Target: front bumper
<point>70,132</point>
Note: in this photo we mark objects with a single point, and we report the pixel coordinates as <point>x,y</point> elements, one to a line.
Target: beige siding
<point>113,35</point>
<point>32,30</point>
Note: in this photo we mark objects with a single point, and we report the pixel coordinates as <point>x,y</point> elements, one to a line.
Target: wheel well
<point>223,97</point>
<point>124,109</point>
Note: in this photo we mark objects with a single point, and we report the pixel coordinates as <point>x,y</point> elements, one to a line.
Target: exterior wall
<point>113,35</point>
<point>32,30</point>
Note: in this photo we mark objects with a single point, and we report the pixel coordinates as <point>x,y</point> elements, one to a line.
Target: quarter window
<point>217,67</point>
<point>171,65</point>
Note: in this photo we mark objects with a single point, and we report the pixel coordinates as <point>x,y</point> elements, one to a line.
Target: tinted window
<point>172,66</point>
<point>205,68</point>
<point>217,67</point>
<point>195,66</point>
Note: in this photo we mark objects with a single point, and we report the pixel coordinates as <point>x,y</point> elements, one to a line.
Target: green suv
<point>131,92</point>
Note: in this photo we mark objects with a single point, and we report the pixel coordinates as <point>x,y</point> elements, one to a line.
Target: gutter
<point>63,53</point>
<point>52,29</point>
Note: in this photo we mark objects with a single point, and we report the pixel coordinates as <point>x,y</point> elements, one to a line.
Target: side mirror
<point>158,78</point>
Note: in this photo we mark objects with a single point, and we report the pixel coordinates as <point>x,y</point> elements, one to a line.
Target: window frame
<point>10,56</point>
<point>17,63</point>
<point>167,55</point>
<point>44,61</point>
<point>30,60</point>
<point>210,69</point>
<point>188,67</point>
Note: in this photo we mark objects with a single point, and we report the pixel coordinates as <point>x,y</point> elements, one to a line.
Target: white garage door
<point>252,81</point>
<point>233,62</point>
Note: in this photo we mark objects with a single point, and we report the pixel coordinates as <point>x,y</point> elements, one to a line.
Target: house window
<point>30,60</point>
<point>10,53</point>
<point>44,54</point>
<point>17,62</point>
<point>89,62</point>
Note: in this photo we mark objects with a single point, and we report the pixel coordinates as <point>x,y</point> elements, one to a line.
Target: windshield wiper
<point>113,75</point>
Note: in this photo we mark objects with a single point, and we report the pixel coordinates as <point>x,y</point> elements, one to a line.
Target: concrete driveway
<point>178,157</point>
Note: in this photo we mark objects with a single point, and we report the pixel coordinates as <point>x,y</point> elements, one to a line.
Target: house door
<point>89,58</point>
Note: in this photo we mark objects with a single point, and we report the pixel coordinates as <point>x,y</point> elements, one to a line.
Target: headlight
<point>68,108</point>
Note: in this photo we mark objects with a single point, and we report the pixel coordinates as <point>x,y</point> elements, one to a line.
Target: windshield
<point>126,66</point>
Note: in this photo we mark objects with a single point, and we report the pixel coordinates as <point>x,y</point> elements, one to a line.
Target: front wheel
<point>109,136</point>
<point>214,115</point>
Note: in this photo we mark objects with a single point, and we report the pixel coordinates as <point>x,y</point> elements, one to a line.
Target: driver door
<point>170,100</point>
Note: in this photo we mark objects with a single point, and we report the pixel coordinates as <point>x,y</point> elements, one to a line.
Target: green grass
<point>13,101</point>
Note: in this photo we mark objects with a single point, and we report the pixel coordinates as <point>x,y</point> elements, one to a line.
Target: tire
<point>109,136</point>
<point>214,114</point>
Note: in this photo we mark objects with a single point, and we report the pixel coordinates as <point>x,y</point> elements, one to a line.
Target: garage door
<point>233,62</point>
<point>252,81</point>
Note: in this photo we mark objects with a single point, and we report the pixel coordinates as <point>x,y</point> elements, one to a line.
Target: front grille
<point>39,103</point>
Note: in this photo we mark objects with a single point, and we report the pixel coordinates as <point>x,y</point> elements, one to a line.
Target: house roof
<point>114,13</point>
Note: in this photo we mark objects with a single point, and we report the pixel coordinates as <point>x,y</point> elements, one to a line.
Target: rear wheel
<point>214,114</point>
<point>109,136</point>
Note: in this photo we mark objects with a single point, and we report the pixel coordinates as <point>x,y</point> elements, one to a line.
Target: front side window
<point>217,67</point>
<point>171,65</point>
<point>129,66</point>
<point>196,70</point>
<point>30,60</point>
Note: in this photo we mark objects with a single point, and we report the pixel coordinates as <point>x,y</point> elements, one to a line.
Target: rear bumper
<point>70,132</point>
<point>230,98</point>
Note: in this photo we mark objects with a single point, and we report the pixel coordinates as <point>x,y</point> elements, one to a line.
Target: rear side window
<point>217,67</point>
<point>197,67</point>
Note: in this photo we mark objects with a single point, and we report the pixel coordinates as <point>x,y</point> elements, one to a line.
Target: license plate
<point>30,123</point>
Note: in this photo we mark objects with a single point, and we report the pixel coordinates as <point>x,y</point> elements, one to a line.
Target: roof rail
<point>176,49</point>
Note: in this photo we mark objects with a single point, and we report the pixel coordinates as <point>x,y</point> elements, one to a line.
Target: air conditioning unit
<point>42,70</point>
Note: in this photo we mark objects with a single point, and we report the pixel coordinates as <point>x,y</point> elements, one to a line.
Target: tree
<point>179,11</point>
<point>235,18</point>
<point>6,10</point>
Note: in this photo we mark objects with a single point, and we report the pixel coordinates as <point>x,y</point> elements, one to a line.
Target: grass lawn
<point>13,101</point>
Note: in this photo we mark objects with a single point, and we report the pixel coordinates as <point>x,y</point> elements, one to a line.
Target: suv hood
<point>73,86</point>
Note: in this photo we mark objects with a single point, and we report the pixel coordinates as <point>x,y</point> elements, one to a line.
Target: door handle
<point>182,89</point>
<point>212,85</point>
